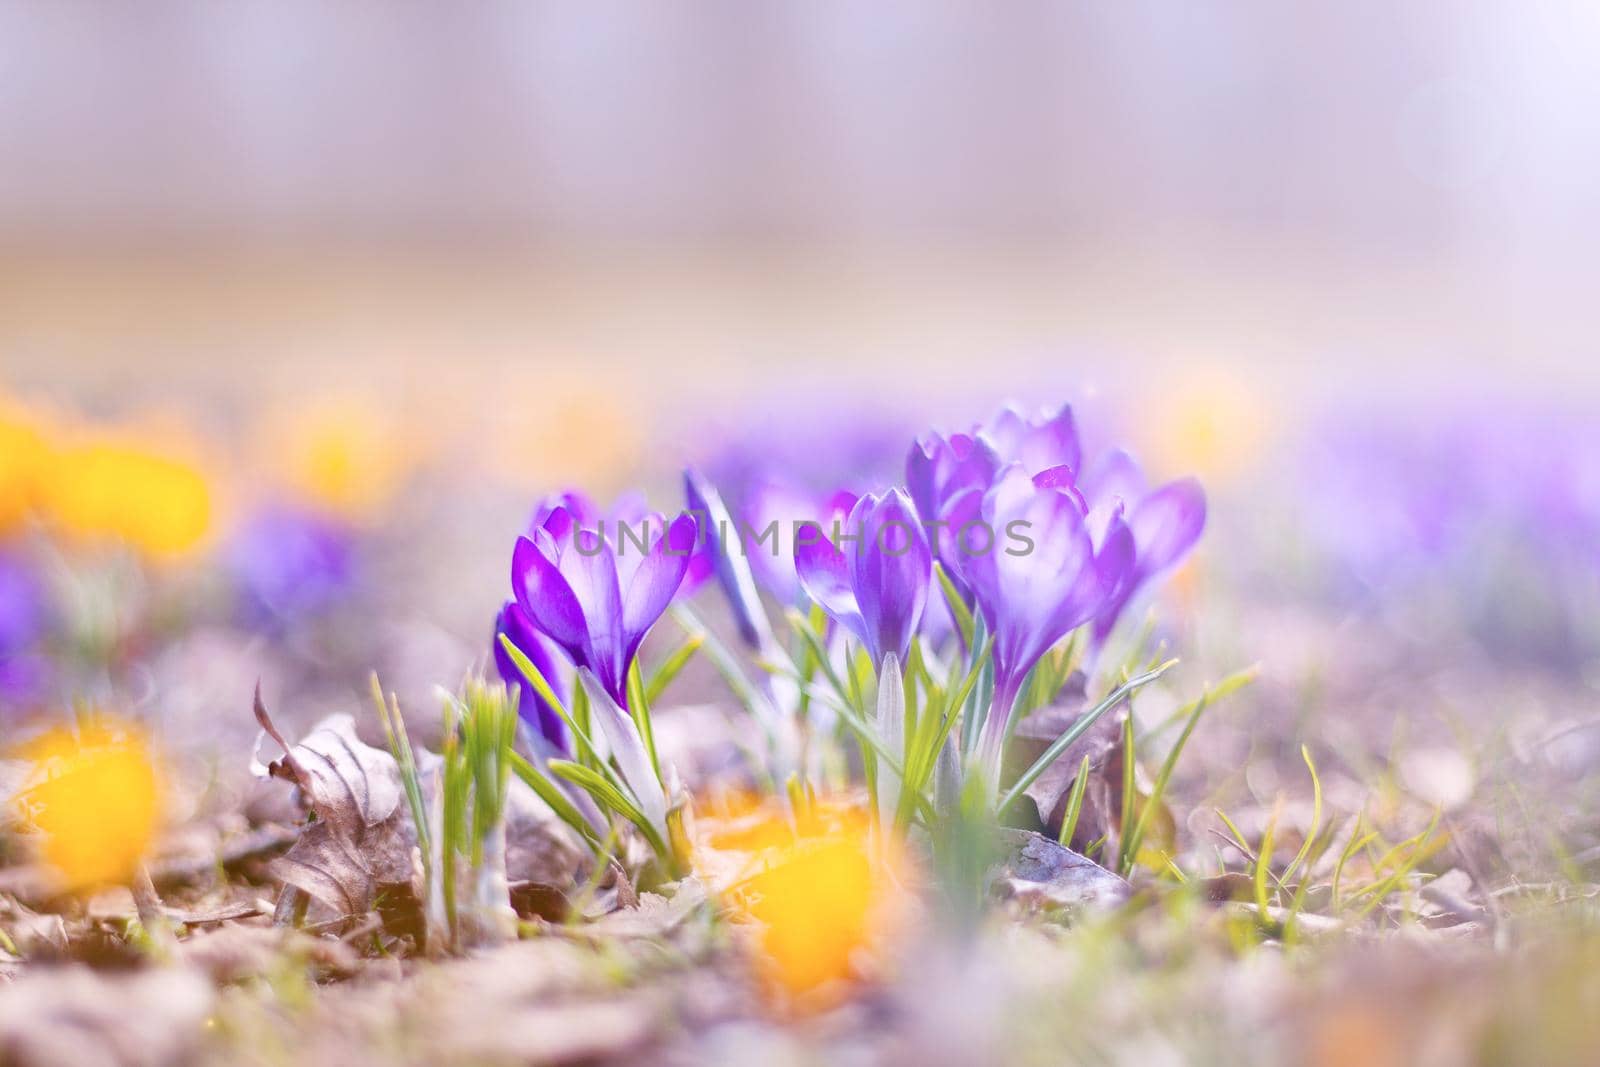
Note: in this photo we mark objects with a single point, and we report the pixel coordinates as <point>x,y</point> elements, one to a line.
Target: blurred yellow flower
<point>95,797</point>
<point>579,433</point>
<point>24,458</point>
<point>824,896</point>
<point>111,489</point>
<point>343,454</point>
<point>1213,426</point>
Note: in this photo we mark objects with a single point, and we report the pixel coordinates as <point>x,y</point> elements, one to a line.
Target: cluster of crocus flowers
<point>1025,543</point>
<point>1039,549</point>
<point>93,795</point>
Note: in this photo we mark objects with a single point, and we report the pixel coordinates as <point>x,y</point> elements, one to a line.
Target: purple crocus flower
<point>947,476</point>
<point>879,588</point>
<point>513,624</point>
<point>1165,523</point>
<point>628,511</point>
<point>596,596</point>
<point>1041,577</point>
<point>289,562</point>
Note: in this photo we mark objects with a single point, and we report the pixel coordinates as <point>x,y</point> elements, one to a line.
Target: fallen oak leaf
<point>360,839</point>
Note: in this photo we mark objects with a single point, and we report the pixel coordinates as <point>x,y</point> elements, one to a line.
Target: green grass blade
<point>1190,717</point>
<point>1263,870</point>
<point>611,799</point>
<point>1078,729</point>
<point>1069,821</point>
<point>641,716</point>
<point>542,687</point>
<point>1316,816</point>
<point>558,801</point>
<point>673,666</point>
<point>958,607</point>
<point>1129,759</point>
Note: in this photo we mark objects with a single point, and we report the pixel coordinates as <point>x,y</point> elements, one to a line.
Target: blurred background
<point>321,296</point>
<point>304,304</point>
<point>708,198</point>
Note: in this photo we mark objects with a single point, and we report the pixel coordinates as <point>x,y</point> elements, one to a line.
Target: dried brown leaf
<point>1102,743</point>
<point>361,837</point>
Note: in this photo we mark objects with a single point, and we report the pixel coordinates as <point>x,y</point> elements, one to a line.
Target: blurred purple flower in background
<point>597,595</point>
<point>23,621</point>
<point>879,587</point>
<point>1491,512</point>
<point>772,500</point>
<point>513,623</point>
<point>288,562</point>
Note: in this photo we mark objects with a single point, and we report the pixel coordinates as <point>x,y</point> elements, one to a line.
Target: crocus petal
<point>1005,432</point>
<point>776,507</point>
<point>1167,523</point>
<point>1040,580</point>
<point>731,558</point>
<point>839,504</point>
<point>590,569</point>
<point>922,479</point>
<point>655,581</point>
<point>1036,443</point>
<point>633,532</point>
<point>21,604</point>
<point>962,535</point>
<point>890,570</point>
<point>1115,558</point>
<point>1050,443</point>
<point>1114,476</point>
<point>560,514</point>
<point>938,470</point>
<point>544,594</point>
<point>824,574</point>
